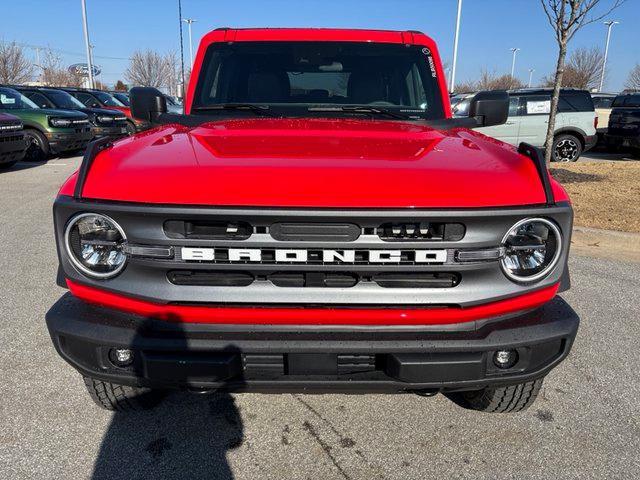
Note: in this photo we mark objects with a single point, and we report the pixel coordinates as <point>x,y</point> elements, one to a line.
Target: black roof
<point>544,91</point>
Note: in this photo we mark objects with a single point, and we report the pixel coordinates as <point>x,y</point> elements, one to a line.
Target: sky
<point>489,28</point>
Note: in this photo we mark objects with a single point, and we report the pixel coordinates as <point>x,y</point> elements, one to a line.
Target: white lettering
<point>431,256</point>
<point>251,254</point>
<point>291,255</point>
<point>385,256</point>
<point>206,254</point>
<point>339,255</point>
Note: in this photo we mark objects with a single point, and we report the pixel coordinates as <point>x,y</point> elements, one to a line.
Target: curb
<point>609,244</point>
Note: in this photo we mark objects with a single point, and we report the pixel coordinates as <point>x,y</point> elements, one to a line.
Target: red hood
<point>314,163</point>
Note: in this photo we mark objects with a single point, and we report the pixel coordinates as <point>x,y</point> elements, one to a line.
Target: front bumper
<point>67,142</point>
<point>114,132</point>
<point>12,146</point>
<point>311,358</point>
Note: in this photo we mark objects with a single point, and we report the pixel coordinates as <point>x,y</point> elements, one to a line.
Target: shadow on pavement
<point>185,436</point>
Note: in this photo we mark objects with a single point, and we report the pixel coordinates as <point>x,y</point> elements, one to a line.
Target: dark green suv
<point>47,131</point>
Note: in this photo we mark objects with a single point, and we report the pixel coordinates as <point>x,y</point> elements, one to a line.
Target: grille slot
<point>313,279</point>
<point>315,232</point>
<point>431,231</point>
<point>417,280</point>
<point>208,230</point>
<point>206,278</point>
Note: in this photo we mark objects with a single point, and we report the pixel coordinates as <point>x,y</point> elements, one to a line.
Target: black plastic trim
<point>535,154</point>
<point>90,154</point>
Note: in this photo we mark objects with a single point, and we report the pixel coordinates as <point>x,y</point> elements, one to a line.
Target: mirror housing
<point>147,103</point>
<point>490,107</point>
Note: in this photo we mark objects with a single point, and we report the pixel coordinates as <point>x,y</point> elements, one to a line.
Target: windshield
<point>627,101</point>
<point>122,98</point>
<point>107,99</point>
<point>10,99</point>
<point>290,77</point>
<point>63,100</point>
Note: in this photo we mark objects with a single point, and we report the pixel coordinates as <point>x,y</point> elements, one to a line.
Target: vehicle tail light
<point>595,122</point>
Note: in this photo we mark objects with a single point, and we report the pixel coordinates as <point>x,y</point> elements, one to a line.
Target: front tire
<point>37,146</point>
<point>121,398</point>
<point>7,165</point>
<point>514,398</point>
<point>566,148</point>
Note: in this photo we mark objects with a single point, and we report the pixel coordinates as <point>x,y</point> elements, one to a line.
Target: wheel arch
<point>575,131</point>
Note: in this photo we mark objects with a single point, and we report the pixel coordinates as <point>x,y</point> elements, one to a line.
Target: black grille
<point>434,231</point>
<point>208,230</point>
<point>315,232</point>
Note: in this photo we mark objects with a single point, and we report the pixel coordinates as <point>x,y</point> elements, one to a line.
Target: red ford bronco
<point>315,222</point>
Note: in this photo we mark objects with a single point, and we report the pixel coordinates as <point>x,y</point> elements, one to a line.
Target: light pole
<point>86,42</point>
<point>452,80</point>
<point>189,21</point>
<point>531,70</point>
<point>609,24</point>
<point>513,60</point>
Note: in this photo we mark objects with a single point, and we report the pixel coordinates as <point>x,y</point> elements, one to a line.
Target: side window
<point>536,105</point>
<point>575,102</point>
<point>514,106</point>
<point>40,100</point>
<point>87,99</point>
<point>602,102</point>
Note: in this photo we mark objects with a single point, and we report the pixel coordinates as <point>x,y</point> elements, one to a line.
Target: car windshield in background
<point>122,98</point>
<point>627,101</point>
<point>107,99</point>
<point>64,100</point>
<point>290,77</point>
<point>10,99</point>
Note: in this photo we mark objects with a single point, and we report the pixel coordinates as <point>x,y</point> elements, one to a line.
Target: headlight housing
<point>105,119</point>
<point>60,122</point>
<point>532,247</point>
<point>95,245</point>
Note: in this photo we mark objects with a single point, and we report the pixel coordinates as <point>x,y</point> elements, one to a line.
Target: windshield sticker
<point>6,100</point>
<point>432,65</point>
<point>543,106</point>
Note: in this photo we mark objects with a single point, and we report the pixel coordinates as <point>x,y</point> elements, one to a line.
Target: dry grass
<point>604,194</point>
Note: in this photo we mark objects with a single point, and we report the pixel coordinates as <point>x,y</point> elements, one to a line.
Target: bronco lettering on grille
<point>312,255</point>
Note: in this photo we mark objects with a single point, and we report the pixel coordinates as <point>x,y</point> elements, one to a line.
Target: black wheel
<point>513,398</point>
<point>37,146</point>
<point>111,396</point>
<point>566,148</point>
<point>131,128</point>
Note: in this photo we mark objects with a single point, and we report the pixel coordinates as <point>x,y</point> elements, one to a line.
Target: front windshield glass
<point>11,99</point>
<point>62,99</point>
<point>291,77</point>
<point>107,99</point>
<point>122,98</point>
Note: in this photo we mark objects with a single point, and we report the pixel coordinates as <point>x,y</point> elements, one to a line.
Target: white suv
<point>529,109</point>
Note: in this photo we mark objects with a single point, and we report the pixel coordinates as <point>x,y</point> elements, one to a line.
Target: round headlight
<point>60,122</point>
<point>532,248</point>
<point>105,119</point>
<point>95,244</point>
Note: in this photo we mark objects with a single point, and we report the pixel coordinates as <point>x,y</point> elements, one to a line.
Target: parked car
<point>460,104</point>
<point>104,123</point>
<point>46,130</point>
<point>12,143</point>
<point>173,106</point>
<point>529,109</point>
<point>602,103</point>
<point>99,99</point>
<point>624,123</point>
<point>315,222</point>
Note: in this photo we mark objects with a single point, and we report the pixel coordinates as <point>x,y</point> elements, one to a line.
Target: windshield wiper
<point>364,109</point>
<point>258,109</point>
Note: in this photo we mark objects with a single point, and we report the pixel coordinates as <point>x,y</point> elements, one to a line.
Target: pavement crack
<point>325,447</point>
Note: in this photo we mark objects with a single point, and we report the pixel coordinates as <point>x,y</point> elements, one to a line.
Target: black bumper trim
<point>347,359</point>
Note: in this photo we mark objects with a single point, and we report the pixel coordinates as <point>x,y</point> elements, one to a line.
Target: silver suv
<point>529,109</point>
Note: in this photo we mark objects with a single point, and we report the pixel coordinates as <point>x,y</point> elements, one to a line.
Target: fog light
<point>505,358</point>
<point>121,357</point>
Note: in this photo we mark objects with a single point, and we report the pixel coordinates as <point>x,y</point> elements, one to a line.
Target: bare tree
<point>489,81</point>
<point>566,17</point>
<point>120,86</point>
<point>15,66</point>
<point>633,80</point>
<point>151,69</point>
<point>583,70</point>
<point>54,74</point>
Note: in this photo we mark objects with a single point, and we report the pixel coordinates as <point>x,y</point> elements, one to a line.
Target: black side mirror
<point>147,103</point>
<point>490,108</point>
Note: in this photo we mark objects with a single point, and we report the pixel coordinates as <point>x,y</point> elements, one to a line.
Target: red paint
<point>312,316</point>
<point>316,35</point>
<point>324,163</point>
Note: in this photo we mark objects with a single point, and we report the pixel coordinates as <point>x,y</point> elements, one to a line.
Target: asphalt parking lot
<point>585,424</point>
